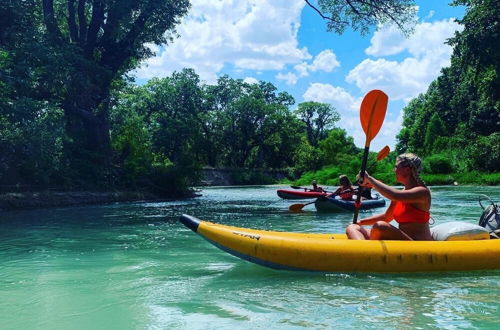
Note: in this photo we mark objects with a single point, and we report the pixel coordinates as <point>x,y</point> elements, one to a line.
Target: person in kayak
<point>346,190</point>
<point>315,187</point>
<point>366,192</point>
<point>409,207</point>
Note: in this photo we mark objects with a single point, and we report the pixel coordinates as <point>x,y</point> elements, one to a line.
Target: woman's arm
<point>413,195</point>
<point>387,216</point>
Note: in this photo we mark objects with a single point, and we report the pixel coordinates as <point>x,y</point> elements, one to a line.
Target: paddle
<point>381,155</point>
<point>299,187</point>
<point>372,115</point>
<point>305,189</point>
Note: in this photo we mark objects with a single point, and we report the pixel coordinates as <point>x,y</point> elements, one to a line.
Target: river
<point>134,266</point>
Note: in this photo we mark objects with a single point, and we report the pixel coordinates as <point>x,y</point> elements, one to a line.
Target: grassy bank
<point>329,177</point>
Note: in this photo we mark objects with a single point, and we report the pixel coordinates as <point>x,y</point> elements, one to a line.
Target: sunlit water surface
<point>134,266</point>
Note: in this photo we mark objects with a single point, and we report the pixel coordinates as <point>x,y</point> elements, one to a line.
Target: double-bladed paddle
<point>305,188</point>
<point>381,155</point>
<point>299,187</point>
<point>372,115</point>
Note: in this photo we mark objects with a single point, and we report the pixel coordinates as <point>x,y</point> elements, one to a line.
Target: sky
<point>286,42</point>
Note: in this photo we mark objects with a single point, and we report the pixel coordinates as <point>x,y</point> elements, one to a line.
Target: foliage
<point>243,177</point>
<point>459,115</point>
<point>361,15</point>
<point>70,116</point>
<point>485,153</point>
<point>438,164</point>
<point>318,119</point>
<point>337,146</point>
<point>469,178</point>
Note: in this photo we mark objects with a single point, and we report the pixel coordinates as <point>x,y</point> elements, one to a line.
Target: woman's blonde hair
<point>414,163</point>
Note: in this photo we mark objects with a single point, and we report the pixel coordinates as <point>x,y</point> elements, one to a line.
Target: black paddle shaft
<point>357,204</point>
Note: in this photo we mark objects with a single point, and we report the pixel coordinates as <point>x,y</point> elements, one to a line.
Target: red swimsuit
<point>407,213</point>
<point>346,195</point>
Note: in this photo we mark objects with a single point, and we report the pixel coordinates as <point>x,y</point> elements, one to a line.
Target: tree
<point>336,146</point>
<point>96,42</point>
<point>360,15</point>
<point>318,119</point>
<point>435,128</point>
<point>459,115</point>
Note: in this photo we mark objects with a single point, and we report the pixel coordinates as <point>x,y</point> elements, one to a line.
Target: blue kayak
<point>332,204</point>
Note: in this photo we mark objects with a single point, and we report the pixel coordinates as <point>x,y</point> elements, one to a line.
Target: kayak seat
<point>459,231</point>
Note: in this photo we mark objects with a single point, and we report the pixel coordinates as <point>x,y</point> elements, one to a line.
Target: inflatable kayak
<point>336,253</point>
<point>332,204</point>
<point>297,194</point>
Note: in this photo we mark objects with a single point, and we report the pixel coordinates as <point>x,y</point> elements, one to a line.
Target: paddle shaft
<point>362,175</point>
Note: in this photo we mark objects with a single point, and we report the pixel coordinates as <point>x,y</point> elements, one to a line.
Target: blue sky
<point>285,42</point>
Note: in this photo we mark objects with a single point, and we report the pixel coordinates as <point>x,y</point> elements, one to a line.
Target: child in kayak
<point>346,190</point>
<point>316,188</point>
<point>409,207</point>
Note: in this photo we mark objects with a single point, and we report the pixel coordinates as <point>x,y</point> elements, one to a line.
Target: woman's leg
<point>385,231</point>
<point>355,231</point>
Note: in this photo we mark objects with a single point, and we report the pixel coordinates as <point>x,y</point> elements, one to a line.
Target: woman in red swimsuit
<point>409,207</point>
<point>346,190</point>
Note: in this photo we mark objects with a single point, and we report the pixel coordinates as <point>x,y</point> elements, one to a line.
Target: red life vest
<point>346,194</point>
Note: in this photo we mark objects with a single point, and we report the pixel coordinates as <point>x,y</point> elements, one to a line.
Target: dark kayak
<point>332,204</point>
<point>297,194</point>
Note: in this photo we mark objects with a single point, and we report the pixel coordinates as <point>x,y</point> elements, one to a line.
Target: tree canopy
<point>361,15</point>
<point>459,115</point>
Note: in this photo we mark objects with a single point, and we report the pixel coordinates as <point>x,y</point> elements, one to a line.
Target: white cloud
<point>387,134</point>
<point>301,69</point>
<point>348,108</point>
<point>290,78</point>
<point>337,96</point>
<point>250,34</point>
<point>325,61</point>
<point>405,79</point>
<point>250,80</point>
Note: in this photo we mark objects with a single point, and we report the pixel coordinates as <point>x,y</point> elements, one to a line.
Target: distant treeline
<point>71,117</point>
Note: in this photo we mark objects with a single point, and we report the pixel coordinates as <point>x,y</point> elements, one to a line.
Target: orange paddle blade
<point>372,114</point>
<point>383,153</point>
<point>296,207</point>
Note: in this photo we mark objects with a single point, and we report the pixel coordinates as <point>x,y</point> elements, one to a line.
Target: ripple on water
<point>133,265</point>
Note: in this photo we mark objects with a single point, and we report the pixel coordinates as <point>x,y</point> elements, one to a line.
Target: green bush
<point>438,164</point>
<point>484,153</point>
<point>247,177</point>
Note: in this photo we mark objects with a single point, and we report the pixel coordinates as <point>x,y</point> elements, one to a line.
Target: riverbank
<point>31,200</point>
<point>31,197</point>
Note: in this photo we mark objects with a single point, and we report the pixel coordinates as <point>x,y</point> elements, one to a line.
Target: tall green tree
<point>318,118</point>
<point>434,129</point>
<point>459,115</point>
<point>97,42</point>
<point>336,146</point>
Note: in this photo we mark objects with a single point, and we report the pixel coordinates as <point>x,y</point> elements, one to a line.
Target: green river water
<point>134,266</point>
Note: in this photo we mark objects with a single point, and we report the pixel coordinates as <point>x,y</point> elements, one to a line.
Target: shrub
<point>485,153</point>
<point>438,164</point>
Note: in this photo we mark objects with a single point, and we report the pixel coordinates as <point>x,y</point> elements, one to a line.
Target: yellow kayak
<point>336,253</point>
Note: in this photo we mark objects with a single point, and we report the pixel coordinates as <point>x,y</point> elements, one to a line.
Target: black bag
<point>490,219</point>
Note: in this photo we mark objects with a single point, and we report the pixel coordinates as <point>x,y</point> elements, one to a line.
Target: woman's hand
<point>366,180</point>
